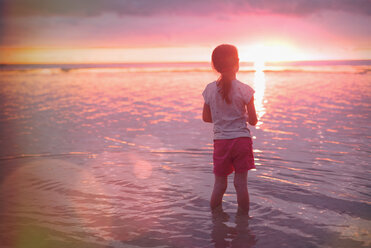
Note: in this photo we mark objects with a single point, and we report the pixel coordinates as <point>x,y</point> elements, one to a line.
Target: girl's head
<point>225,61</point>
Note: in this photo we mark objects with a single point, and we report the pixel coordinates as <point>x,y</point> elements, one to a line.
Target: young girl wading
<point>229,104</point>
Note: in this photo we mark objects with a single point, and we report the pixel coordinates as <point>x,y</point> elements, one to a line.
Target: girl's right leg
<point>220,186</point>
<point>240,184</point>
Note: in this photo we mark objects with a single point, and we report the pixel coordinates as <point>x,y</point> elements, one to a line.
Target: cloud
<point>305,7</point>
<point>88,8</point>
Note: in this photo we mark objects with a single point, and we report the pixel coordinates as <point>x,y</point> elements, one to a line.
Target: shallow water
<point>110,158</point>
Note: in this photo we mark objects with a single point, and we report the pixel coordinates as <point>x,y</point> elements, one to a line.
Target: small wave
<point>19,156</point>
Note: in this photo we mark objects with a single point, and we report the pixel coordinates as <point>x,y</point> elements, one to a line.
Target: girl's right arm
<point>251,112</point>
<point>206,114</point>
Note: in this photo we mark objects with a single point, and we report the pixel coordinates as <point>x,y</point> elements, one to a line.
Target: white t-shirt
<point>229,119</point>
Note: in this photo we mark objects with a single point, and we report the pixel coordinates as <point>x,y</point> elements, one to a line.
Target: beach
<point>119,157</point>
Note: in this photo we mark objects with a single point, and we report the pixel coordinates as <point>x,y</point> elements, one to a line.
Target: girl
<point>229,104</point>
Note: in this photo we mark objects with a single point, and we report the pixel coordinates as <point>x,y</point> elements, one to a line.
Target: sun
<point>262,53</point>
<point>259,57</point>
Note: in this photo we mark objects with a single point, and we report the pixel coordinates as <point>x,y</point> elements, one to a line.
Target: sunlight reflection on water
<point>259,87</point>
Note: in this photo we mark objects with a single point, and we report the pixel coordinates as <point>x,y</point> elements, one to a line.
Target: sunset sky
<point>91,31</point>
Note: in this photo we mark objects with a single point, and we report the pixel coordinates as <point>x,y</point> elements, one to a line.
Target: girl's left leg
<point>240,184</point>
<point>220,186</point>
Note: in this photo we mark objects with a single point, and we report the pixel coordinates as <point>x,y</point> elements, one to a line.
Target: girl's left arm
<point>206,114</point>
<point>251,112</point>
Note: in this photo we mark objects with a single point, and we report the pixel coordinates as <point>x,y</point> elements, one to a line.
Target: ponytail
<point>224,87</point>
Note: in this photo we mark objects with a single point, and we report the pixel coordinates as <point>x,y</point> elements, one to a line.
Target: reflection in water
<point>259,86</point>
<point>224,235</point>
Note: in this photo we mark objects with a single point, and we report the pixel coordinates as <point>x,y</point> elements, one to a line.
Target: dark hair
<point>225,61</point>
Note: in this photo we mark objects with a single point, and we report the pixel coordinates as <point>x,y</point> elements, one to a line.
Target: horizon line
<point>185,62</point>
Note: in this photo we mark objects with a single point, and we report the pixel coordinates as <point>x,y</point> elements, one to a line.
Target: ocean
<point>116,155</point>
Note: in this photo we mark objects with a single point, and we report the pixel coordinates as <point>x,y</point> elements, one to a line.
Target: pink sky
<point>170,30</point>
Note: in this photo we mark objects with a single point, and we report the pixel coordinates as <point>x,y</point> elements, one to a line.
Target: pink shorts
<point>233,155</point>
